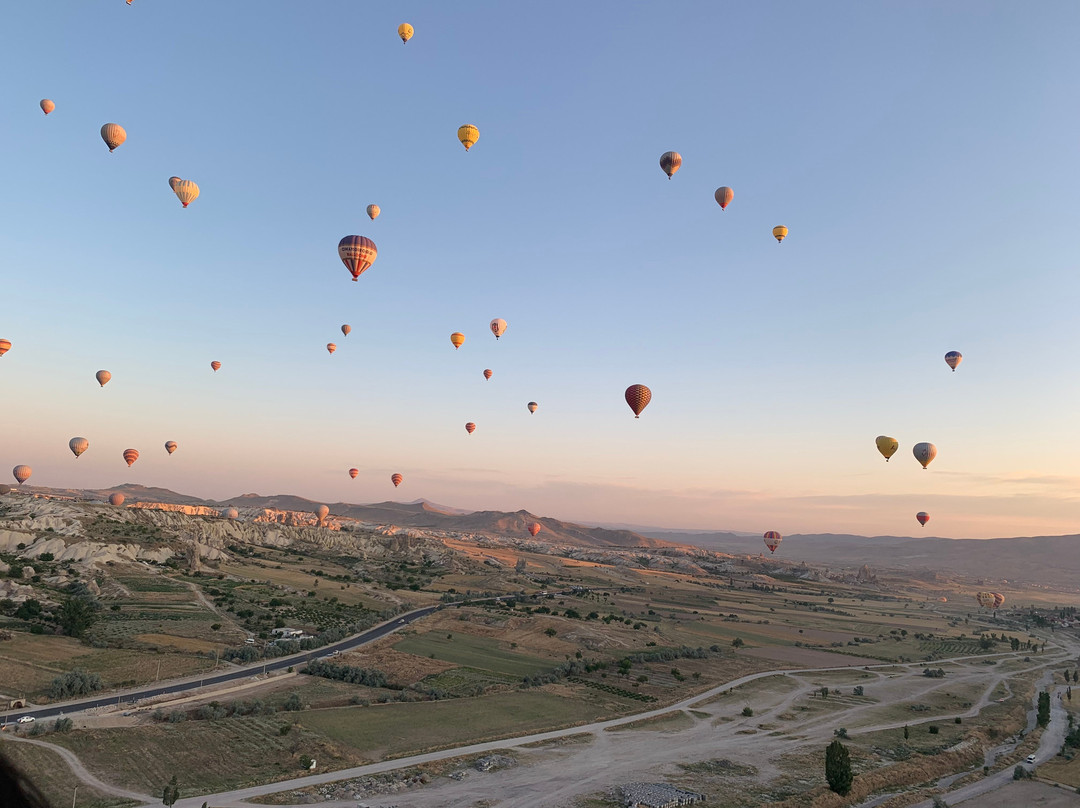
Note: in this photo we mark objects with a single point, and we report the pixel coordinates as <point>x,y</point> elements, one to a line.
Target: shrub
<point>841,733</point>
<point>934,729</point>
<point>747,711</point>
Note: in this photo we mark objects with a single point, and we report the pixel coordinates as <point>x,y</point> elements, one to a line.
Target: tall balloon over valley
<point>131,455</point>
<point>114,135</point>
<point>322,512</point>
<point>22,473</point>
<point>534,528</point>
<point>116,499</point>
<point>923,517</point>
<point>230,513</point>
<point>772,540</point>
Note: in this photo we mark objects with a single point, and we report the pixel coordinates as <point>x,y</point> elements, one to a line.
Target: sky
<point>923,155</point>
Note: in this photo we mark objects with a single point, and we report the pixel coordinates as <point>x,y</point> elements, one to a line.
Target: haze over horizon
<point>924,179</point>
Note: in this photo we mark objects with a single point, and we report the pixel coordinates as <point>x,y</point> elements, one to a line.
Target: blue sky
<point>923,155</point>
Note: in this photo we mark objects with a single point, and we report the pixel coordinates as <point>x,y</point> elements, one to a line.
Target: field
<point>54,779</point>
<point>471,651</point>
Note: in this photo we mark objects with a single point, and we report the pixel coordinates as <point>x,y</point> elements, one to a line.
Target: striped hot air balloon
<point>723,196</point>
<point>331,347</point>
<point>131,455</point>
<point>116,499</point>
<point>114,135</point>
<point>173,182</point>
<point>985,599</point>
<point>670,161</point>
<point>457,339</point>
<point>103,377</point>
<point>354,473</point>
<point>638,397</point>
<point>772,540</point>
<point>470,427</point>
<point>78,446</point>
<point>953,359</point>
<point>215,366</point>
<point>170,446</point>
<point>396,479</point>
<point>22,473</point>
<point>46,105</point>
<point>779,233</point>
<point>357,253</point>
<point>5,346</point>
<point>186,191</point>
<point>999,599</point>
<point>468,135</point>
<point>488,373</point>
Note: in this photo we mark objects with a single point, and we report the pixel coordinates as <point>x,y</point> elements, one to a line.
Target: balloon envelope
<point>457,339</point>
<point>779,233</point>
<point>78,445</point>
<point>113,134</point>
<point>116,499</point>
<point>498,327</point>
<point>170,446</point>
<point>354,473</point>
<point>470,427</point>
<point>405,31</point>
<point>215,366</point>
<point>5,346</point>
<point>230,513</point>
<point>985,599</point>
<point>924,453</point>
<point>346,329</point>
<point>357,253</point>
<point>723,197</point>
<point>468,135</point>
<point>373,211</point>
<point>887,446</point>
<point>396,479</point>
<point>772,540</point>
<point>103,377</point>
<point>186,191</point>
<point>923,517</point>
<point>488,373</point>
<point>953,358</point>
<point>534,528</point>
<point>173,181</point>
<point>638,397</point>
<point>131,455</point>
<point>322,512</point>
<point>999,599</point>
<point>533,406</point>
<point>22,473</point>
<point>47,106</point>
<point>670,162</point>
<point>331,347</point>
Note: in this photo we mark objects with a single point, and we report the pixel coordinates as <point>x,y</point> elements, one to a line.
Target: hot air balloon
<point>78,446</point>
<point>354,473</point>
<point>322,512</point>
<point>498,327</point>
<point>116,500</point>
<point>331,347</point>
<point>186,191</point>
<point>923,517</point>
<point>357,253</point>
<point>170,446</point>
<point>113,134</point>
<point>723,197</point>
<point>22,473</point>
<point>215,366</point>
<point>103,377</point>
<point>230,513</point>
<point>346,329</point>
<point>953,358</point>
<point>470,427</point>
<point>779,233</point>
<point>999,599</point>
<point>5,346</point>
<point>405,31</point>
<point>670,162</point>
<point>457,339</point>
<point>173,181</point>
<point>887,446</point>
<point>924,453</point>
<point>985,599</point>
<point>943,600</point>
<point>47,106</point>
<point>373,211</point>
<point>772,540</point>
<point>533,406</point>
<point>131,455</point>
<point>396,479</point>
<point>534,528</point>
<point>638,397</point>
<point>488,373</point>
<point>468,135</point>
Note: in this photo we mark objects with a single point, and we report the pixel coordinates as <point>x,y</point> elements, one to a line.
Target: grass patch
<point>471,651</point>
<point>52,776</point>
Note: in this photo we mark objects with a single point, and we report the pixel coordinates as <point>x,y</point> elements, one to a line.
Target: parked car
<point>27,719</point>
<point>1030,758</point>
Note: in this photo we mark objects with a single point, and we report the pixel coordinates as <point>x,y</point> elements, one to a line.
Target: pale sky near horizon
<point>924,156</point>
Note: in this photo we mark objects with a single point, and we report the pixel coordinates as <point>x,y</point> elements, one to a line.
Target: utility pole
<point>73,795</point>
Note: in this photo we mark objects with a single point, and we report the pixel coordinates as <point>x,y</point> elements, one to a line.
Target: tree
<point>76,616</point>
<point>906,732</point>
<point>737,642</point>
<point>838,768</point>
<point>170,794</point>
<point>1043,717</point>
<point>550,632</point>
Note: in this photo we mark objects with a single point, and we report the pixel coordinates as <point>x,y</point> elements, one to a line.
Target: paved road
<point>194,683</point>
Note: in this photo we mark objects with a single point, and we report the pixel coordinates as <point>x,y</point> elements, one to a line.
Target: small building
<point>287,633</point>
<point>656,795</point>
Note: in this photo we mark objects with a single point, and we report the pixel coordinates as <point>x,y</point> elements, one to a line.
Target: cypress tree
<point>838,768</point>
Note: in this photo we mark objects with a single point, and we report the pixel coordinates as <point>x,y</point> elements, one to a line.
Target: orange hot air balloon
<point>47,106</point>
<point>5,346</point>
<point>533,406</point>
<point>170,446</point>
<point>999,599</point>
<point>534,528</point>
<point>470,427</point>
<point>354,473</point>
<point>670,161</point>
<point>357,253</point>
<point>396,479</point>
<point>772,540</point>
<point>331,347</point>
<point>923,517</point>
<point>116,500</point>
<point>488,373</point>
<point>943,600</point>
<point>215,365</point>
<point>131,455</point>
<point>723,196</point>
<point>457,339</point>
<point>985,599</point>
<point>103,377</point>
<point>638,397</point>
<point>230,513</point>
<point>78,446</point>
<point>322,512</point>
<point>22,473</point>
<point>114,135</point>
<point>346,329</point>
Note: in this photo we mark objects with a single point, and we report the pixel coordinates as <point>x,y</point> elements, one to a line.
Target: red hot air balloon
<point>534,528</point>
<point>116,500</point>
<point>5,346</point>
<point>923,517</point>
<point>131,455</point>
<point>396,479</point>
<point>215,365</point>
<point>999,599</point>
<point>354,473</point>
<point>357,253</point>
<point>772,540</point>
<point>488,373</point>
<point>638,397</point>
<point>470,427</point>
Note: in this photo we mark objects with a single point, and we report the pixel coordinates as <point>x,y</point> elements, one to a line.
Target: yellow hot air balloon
<point>457,339</point>
<point>346,329</point>
<point>331,347</point>
<point>779,233</point>
<point>47,106</point>
<point>78,446</point>
<point>5,346</point>
<point>405,31</point>
<point>186,191</point>
<point>103,377</point>
<point>373,211</point>
<point>114,135</point>
<point>468,135</point>
<point>887,446</point>
<point>22,473</point>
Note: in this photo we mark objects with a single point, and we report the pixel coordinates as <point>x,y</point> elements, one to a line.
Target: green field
<point>54,779</point>
<point>474,652</point>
